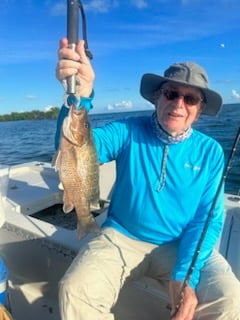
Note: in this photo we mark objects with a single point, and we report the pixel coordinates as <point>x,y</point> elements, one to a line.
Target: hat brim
<point>150,83</point>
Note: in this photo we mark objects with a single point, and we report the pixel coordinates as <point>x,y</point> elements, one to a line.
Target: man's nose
<point>179,101</point>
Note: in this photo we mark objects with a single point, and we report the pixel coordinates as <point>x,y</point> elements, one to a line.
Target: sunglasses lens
<point>188,99</point>
<point>170,94</point>
<point>191,100</point>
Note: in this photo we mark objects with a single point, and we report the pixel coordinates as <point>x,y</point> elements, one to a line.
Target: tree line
<point>31,115</point>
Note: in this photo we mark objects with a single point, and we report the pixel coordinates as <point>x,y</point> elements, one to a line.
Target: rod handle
<point>72,36</point>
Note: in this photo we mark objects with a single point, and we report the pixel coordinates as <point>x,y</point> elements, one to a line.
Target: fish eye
<point>86,125</point>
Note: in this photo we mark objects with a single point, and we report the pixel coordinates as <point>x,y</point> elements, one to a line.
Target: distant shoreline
<point>31,115</point>
<point>52,114</point>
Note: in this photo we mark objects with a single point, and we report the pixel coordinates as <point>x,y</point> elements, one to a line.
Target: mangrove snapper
<point>77,164</point>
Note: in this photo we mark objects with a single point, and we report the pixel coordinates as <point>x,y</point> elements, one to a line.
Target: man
<point>167,178</point>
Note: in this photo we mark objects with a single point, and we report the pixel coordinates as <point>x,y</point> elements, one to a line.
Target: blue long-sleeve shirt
<point>163,193</point>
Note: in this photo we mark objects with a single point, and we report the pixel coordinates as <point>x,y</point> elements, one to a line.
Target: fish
<point>77,164</point>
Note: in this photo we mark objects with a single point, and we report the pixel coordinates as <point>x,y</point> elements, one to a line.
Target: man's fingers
<point>66,68</point>
<point>185,313</point>
<point>68,53</point>
<point>81,51</point>
<point>63,43</point>
<point>65,64</point>
<point>184,301</point>
<point>60,74</point>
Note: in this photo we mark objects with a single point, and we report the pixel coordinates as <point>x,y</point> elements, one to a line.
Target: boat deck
<point>38,246</point>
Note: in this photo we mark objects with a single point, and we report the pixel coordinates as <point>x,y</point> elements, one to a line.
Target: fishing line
<point>207,222</point>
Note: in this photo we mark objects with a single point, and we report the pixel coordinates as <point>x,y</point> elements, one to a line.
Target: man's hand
<point>75,62</point>
<point>188,301</point>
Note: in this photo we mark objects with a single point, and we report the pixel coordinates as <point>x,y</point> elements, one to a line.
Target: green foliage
<point>31,115</point>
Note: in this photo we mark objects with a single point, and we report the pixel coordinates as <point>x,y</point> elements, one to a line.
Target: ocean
<point>33,140</point>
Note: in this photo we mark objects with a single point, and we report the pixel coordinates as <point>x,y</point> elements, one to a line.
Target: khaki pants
<point>92,284</point>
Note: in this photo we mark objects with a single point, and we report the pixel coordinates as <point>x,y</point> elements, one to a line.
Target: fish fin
<point>60,186</point>
<point>67,207</point>
<point>86,226</point>
<point>67,203</point>
<point>56,160</point>
<point>95,205</point>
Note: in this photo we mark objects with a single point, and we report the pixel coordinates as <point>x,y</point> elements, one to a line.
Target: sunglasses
<point>189,99</point>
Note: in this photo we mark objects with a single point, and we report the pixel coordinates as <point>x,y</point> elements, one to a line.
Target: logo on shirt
<point>191,166</point>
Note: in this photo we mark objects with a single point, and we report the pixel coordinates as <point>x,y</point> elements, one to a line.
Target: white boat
<point>38,243</point>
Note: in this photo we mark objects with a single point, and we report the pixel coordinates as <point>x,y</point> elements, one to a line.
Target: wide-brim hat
<point>186,73</point>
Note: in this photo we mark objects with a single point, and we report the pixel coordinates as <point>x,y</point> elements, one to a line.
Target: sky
<point>127,39</point>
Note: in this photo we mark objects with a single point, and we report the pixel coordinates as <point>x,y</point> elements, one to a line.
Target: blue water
<point>33,140</point>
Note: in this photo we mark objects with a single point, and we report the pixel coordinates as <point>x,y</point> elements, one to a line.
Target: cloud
<point>140,4</point>
<point>27,52</point>
<point>104,6</point>
<point>235,94</point>
<point>101,5</point>
<point>120,105</point>
<point>48,108</point>
<point>30,97</point>
<point>58,9</point>
<point>223,81</point>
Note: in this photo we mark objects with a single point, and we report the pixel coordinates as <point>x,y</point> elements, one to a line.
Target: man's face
<point>178,106</point>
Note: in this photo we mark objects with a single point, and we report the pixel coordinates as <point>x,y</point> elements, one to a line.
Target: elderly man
<point>167,177</point>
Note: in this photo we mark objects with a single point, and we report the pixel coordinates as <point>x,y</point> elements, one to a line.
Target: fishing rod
<point>207,222</point>
<point>73,9</point>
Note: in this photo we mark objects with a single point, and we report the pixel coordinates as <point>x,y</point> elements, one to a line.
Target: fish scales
<point>77,163</point>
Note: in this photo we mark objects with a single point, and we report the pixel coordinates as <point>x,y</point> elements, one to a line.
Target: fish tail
<point>86,226</point>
